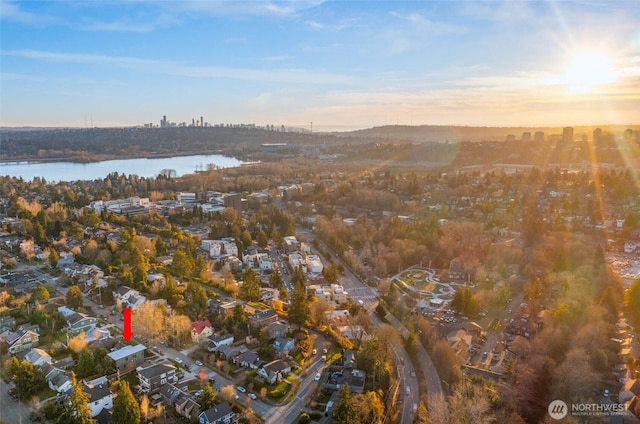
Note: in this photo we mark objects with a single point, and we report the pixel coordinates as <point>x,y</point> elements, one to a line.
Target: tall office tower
<point>201,122</point>
<point>538,137</point>
<point>193,122</point>
<point>567,134</point>
<point>163,123</point>
<point>526,136</point>
<point>597,135</point>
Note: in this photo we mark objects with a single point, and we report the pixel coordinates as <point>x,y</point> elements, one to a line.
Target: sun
<point>587,71</point>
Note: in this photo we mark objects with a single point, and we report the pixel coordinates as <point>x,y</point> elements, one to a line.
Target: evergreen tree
<point>275,280</point>
<point>77,409</point>
<point>263,240</point>
<point>299,308</point>
<point>250,288</point>
<point>54,257</point>
<point>125,407</point>
<point>344,411</point>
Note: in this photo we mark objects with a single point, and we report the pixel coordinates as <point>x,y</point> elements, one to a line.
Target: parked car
<point>198,393</point>
<point>178,360</point>
<point>242,389</point>
<point>253,396</point>
<point>199,363</point>
<point>317,377</point>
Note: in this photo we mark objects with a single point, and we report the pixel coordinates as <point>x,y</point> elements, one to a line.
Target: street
<point>11,411</point>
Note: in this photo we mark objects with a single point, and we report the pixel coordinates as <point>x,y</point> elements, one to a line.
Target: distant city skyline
<point>341,65</point>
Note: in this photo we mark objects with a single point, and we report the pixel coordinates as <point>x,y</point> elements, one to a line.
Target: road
<point>11,411</point>
<point>434,385</point>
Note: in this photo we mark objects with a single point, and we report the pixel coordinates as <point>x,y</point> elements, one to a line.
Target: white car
<point>178,360</point>
<point>242,389</point>
<point>253,396</point>
<point>199,363</point>
<point>317,377</point>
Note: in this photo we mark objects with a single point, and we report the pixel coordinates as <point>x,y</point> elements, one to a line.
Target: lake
<point>72,171</point>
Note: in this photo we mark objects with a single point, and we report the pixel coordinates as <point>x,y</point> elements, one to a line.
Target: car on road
<point>317,377</point>
<point>242,389</point>
<point>314,351</point>
<point>199,363</point>
<point>325,351</point>
<point>178,360</point>
<point>198,393</point>
<point>253,396</point>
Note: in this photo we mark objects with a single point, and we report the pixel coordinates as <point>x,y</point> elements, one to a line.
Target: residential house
<point>155,376</point>
<point>219,414</point>
<point>248,359</point>
<point>180,399</point>
<point>353,332</point>
<point>353,378</point>
<point>201,330</point>
<point>128,356</point>
<point>186,406</point>
<point>277,329</point>
<point>217,340</point>
<point>274,371</point>
<point>230,352</point>
<point>284,345</point>
<point>21,340</point>
<point>38,357</point>
<point>128,298</point>
<point>56,378</point>
<point>349,358</point>
<point>100,396</point>
<point>265,317</point>
<point>78,322</point>
<point>7,324</point>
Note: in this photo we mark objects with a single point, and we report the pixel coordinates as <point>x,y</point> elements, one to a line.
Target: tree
<point>147,321</point>
<point>250,288</point>
<point>125,407</point>
<point>275,280</point>
<point>370,407</point>
<point>77,343</point>
<point>74,297</point>
<point>182,264</point>
<point>299,308</point>
<point>77,409</point>
<point>196,299</point>
<point>27,378</point>
<point>40,295</point>
<point>86,364</point>
<point>228,393</point>
<point>208,397</point>
<point>263,240</point>
<point>54,257</point>
<point>344,411</point>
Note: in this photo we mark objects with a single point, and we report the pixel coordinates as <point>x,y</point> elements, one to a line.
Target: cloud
<point>12,12</point>
<point>236,8</point>
<point>281,75</point>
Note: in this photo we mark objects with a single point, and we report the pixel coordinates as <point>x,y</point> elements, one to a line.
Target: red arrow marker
<point>126,332</point>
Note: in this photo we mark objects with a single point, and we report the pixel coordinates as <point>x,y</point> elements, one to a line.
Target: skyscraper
<point>567,134</point>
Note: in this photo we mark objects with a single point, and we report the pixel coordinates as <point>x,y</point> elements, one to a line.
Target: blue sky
<point>339,64</point>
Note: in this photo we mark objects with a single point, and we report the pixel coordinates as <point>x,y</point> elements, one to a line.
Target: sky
<point>340,65</point>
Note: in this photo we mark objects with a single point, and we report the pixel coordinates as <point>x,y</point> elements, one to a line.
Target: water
<point>71,171</point>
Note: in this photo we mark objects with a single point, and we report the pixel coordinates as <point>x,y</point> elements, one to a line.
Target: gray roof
<point>126,351</point>
<point>97,392</point>
<point>217,411</point>
<point>155,370</point>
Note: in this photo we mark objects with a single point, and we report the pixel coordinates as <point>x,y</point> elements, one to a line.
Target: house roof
<point>34,354</point>
<point>217,411</point>
<point>199,326</point>
<point>275,366</point>
<point>126,351</point>
<point>75,318</point>
<point>124,290</point>
<point>97,392</point>
<point>217,338</point>
<point>155,370</point>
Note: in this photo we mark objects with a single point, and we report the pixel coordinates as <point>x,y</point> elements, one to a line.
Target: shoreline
<point>102,158</point>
